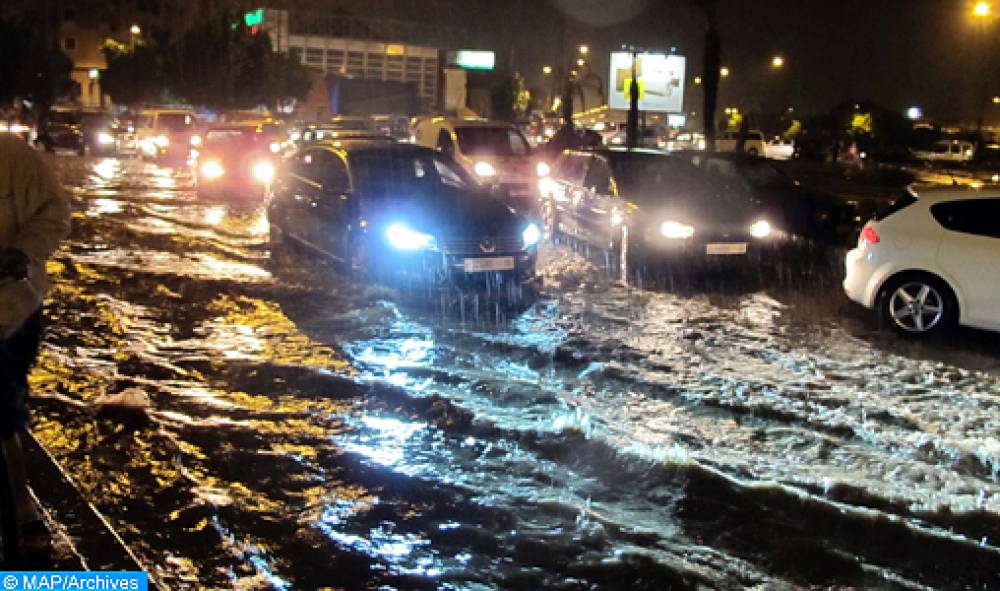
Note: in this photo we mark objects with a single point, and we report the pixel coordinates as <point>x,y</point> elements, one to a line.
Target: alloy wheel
<point>916,307</point>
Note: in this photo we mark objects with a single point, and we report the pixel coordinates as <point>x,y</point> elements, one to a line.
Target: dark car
<point>235,159</point>
<point>396,211</point>
<point>651,204</point>
<point>63,129</point>
<point>102,133</point>
<point>805,214</point>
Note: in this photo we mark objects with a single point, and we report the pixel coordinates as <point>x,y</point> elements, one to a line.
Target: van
<point>495,153</point>
<point>166,133</point>
<point>753,143</point>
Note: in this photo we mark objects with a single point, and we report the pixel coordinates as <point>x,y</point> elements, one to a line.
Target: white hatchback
<point>932,260</point>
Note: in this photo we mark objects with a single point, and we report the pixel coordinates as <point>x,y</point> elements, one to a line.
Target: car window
<point>572,168</point>
<point>492,141</point>
<point>174,121</point>
<point>643,177</point>
<point>230,137</point>
<point>330,171</point>
<point>971,216</point>
<point>403,173</point>
<point>599,177</point>
<point>940,148</point>
<point>305,164</point>
<point>65,117</point>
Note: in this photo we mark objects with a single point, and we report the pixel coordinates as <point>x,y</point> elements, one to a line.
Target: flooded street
<point>252,423</point>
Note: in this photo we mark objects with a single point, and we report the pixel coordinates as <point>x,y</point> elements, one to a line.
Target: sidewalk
<point>82,538</point>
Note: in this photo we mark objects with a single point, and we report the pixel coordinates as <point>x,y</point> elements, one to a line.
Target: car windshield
<point>763,174</point>
<point>175,121</point>
<point>394,173</point>
<point>65,117</point>
<point>648,178</point>
<point>225,138</point>
<point>350,125</point>
<point>491,141</point>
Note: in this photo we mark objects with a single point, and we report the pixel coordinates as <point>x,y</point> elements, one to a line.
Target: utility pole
<point>632,123</point>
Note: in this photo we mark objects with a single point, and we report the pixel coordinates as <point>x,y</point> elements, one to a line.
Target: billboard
<point>660,77</point>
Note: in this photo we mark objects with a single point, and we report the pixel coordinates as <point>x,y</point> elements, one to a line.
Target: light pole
<point>982,16</point>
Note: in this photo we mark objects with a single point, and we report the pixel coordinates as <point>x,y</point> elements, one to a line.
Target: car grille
<point>464,245</point>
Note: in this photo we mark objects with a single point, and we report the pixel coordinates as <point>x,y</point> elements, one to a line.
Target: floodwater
<point>251,425</point>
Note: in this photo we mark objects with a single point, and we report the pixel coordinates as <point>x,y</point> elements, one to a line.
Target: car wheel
<point>918,305</point>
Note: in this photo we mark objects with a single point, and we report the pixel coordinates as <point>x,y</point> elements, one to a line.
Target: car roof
<point>937,193</point>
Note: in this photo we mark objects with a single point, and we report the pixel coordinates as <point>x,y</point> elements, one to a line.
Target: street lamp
<point>777,62</point>
<point>982,10</point>
<point>584,50</point>
<point>996,100</point>
<point>697,79</point>
<point>914,113</point>
<point>546,70</point>
<point>724,72</point>
<point>580,62</point>
<point>135,30</point>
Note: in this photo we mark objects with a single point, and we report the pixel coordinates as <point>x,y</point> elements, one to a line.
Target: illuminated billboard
<point>660,77</point>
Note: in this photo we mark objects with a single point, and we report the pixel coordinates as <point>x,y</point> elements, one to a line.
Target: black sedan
<point>810,216</point>
<point>654,205</point>
<point>397,211</point>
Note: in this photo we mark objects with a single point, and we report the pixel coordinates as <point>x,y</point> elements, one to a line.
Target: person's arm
<point>49,224</point>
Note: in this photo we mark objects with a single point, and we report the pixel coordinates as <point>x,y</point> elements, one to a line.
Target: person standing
<point>34,219</point>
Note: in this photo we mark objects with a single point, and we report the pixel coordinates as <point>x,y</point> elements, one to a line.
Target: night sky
<point>895,52</point>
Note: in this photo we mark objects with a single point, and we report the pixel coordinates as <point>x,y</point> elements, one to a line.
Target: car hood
<point>699,210</point>
<point>444,211</point>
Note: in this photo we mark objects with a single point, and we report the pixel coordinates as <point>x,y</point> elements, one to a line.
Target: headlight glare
<point>531,235</point>
<point>761,229</point>
<point>676,230</point>
<point>161,141</point>
<point>196,140</point>
<point>401,237</point>
<point>212,170</point>
<point>484,169</point>
<point>105,138</point>
<point>263,172</point>
<point>543,169</point>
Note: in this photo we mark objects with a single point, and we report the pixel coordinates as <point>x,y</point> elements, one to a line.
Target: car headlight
<point>196,140</point>
<point>543,169</point>
<point>105,138</point>
<point>161,141</point>
<point>212,170</point>
<point>761,229</point>
<point>263,172</point>
<point>484,169</point>
<point>676,230</point>
<point>275,147</point>
<point>617,218</point>
<point>531,235</point>
<point>402,237</point>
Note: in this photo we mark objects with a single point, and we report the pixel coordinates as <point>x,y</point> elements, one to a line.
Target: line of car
<point>467,201</point>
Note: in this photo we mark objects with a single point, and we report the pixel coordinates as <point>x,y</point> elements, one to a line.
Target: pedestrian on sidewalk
<point>34,219</point>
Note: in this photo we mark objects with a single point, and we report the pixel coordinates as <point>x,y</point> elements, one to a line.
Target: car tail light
<point>868,236</point>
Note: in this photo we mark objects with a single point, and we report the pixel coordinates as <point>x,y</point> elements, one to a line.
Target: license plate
<point>726,248</point>
<point>480,265</point>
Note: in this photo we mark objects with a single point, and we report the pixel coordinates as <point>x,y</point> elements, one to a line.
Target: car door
<point>597,202</point>
<point>328,205</point>
<point>970,254</point>
<point>300,190</point>
<point>569,179</point>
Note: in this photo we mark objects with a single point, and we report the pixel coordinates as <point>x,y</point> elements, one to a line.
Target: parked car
<point>779,148</point>
<point>63,129</point>
<point>398,211</point>
<point>753,142</point>
<point>930,261</point>
<point>805,214</point>
<point>235,159</point>
<point>947,151</point>
<point>650,204</point>
<point>166,133</point>
<point>686,140</point>
<point>495,153</point>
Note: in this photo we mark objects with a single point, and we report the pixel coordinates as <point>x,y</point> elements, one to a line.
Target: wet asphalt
<point>253,421</point>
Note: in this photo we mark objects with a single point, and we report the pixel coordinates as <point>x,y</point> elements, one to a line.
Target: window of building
<point>69,43</point>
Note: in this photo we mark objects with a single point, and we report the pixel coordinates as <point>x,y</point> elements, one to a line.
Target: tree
<point>136,73</point>
<point>30,67</point>
<point>712,65</point>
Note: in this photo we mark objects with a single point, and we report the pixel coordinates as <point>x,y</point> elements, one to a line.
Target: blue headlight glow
<point>531,235</point>
<point>401,237</point>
